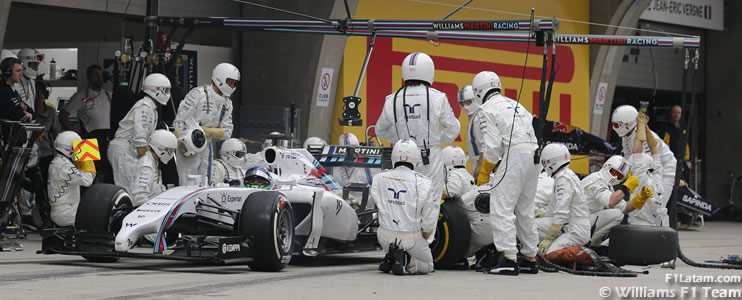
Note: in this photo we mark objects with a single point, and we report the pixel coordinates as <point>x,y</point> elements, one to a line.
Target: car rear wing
<point>353,156</point>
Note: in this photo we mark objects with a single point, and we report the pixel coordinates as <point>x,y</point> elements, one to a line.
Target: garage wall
<point>723,108</point>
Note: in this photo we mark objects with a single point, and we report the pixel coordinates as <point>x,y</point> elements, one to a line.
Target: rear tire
<point>642,245</point>
<point>452,235</point>
<point>102,209</point>
<point>268,219</point>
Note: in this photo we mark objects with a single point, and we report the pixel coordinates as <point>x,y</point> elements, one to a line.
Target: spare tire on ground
<point>642,245</point>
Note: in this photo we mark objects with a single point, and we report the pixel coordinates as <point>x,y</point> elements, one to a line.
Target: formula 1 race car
<point>199,224</point>
<point>303,214</point>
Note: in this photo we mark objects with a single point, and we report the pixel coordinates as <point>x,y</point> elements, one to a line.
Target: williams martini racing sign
<point>480,25</point>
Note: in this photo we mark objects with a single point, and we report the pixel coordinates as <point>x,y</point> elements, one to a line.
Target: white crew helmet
<point>554,156</point>
<point>467,101</point>
<point>406,150</point>
<point>453,156</point>
<point>623,120</point>
<point>28,56</point>
<point>348,139</point>
<point>314,142</point>
<point>163,143</point>
<point>221,73</point>
<point>615,170</point>
<point>484,82</point>
<point>7,53</point>
<point>158,87</point>
<point>63,143</point>
<point>233,152</point>
<point>418,66</point>
<point>192,141</point>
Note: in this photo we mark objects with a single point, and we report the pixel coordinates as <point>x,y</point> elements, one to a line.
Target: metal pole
<point>150,21</point>
<point>365,64</point>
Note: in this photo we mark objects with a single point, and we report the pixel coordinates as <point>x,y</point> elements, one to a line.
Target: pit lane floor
<point>27,275</point>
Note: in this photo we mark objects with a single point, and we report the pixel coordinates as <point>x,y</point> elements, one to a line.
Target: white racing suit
<point>147,182</point>
<point>221,172</point>
<point>473,136</point>
<point>208,109</point>
<point>407,208</point>
<point>544,191</point>
<point>64,189</point>
<point>511,199</point>
<point>668,164</point>
<point>598,196</point>
<point>460,185</point>
<point>134,130</point>
<point>569,208</point>
<point>649,172</point>
<point>420,112</point>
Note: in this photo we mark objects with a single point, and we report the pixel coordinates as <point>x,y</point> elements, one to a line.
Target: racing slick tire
<point>642,245</point>
<point>452,235</point>
<point>267,217</point>
<point>101,210</point>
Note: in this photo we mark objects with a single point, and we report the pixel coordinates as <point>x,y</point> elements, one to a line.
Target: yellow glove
<point>141,151</point>
<point>631,183</point>
<point>484,174</point>
<point>213,132</point>
<point>86,166</point>
<point>651,141</point>
<point>641,199</point>
<point>426,235</point>
<point>177,133</point>
<point>554,230</point>
<point>538,213</point>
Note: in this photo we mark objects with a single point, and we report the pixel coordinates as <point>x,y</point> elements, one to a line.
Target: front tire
<point>267,217</point>
<point>101,210</point>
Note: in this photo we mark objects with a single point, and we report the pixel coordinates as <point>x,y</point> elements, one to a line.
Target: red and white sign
<point>600,98</point>
<point>325,84</point>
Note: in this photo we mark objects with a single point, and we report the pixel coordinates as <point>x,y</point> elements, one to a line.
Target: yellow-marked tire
<point>452,235</point>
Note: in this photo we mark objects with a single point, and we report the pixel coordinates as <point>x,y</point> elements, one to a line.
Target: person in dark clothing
<point>11,106</point>
<point>671,133</point>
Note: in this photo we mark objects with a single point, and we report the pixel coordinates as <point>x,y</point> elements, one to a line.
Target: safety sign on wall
<point>600,98</point>
<point>325,85</point>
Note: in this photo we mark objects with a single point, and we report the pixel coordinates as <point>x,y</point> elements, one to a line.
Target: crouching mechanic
<point>460,184</point>
<point>229,167</point>
<point>130,141</point>
<point>65,179</point>
<point>607,206</point>
<point>211,107</point>
<point>567,207</point>
<point>408,213</point>
<point>147,182</point>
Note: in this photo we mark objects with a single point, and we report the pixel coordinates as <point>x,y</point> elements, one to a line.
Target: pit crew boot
<point>386,264</point>
<point>401,258</point>
<point>527,266</point>
<point>504,267</point>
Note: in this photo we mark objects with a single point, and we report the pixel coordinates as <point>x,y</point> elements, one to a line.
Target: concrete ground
<point>27,275</point>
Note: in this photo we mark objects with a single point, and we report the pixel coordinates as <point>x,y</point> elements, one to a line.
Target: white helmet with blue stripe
<point>348,139</point>
<point>615,169</point>
<point>418,66</point>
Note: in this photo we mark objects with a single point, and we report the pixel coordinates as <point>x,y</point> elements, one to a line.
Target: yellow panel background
<point>578,87</point>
